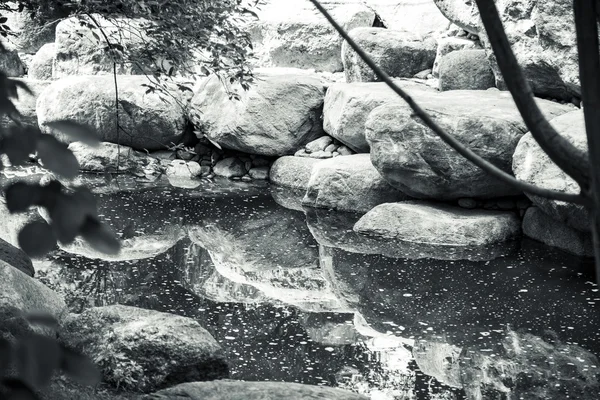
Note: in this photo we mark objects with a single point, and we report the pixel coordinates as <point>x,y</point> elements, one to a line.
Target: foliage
<point>118,368</point>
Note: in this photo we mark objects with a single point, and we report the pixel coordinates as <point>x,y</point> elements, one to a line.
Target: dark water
<point>294,295</point>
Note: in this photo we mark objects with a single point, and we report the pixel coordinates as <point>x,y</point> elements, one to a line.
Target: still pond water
<point>293,295</point>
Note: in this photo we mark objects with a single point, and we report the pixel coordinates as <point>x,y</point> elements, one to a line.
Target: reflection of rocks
<point>439,360</point>
<point>238,390</point>
<point>331,329</point>
<point>462,299</point>
<point>289,198</point>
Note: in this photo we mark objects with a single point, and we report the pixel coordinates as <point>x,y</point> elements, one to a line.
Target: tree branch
<point>589,74</point>
<point>451,141</point>
<point>569,158</point>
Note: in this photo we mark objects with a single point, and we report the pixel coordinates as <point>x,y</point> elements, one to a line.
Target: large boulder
<point>16,257</point>
<point>31,31</point>
<point>24,295</point>
<point>531,164</point>
<point>26,102</point>
<point>541,227</point>
<point>349,183</point>
<point>80,49</point>
<point>429,230</point>
<point>280,113</point>
<point>160,349</point>
<point>463,13</point>
<point>415,160</point>
<point>112,158</point>
<point>465,70</point>
<point>295,34</point>
<point>292,172</point>
<point>447,45</point>
<point>147,120</point>
<point>239,390</point>
<point>540,33</point>
<point>400,54</point>
<point>419,16</point>
<point>11,64</point>
<point>347,106</point>
<point>42,62</point>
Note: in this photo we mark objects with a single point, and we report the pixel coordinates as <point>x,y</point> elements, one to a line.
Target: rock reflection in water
<point>317,304</point>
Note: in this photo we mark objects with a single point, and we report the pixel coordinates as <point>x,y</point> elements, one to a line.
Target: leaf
<point>57,157</point>
<point>76,131</point>
<point>22,195</point>
<point>79,367</point>
<point>17,390</point>
<point>37,358</point>
<point>6,356</point>
<point>68,216</point>
<point>37,239</point>
<point>19,144</point>
<point>100,237</point>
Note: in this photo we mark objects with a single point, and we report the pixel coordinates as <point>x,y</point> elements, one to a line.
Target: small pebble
<point>246,178</point>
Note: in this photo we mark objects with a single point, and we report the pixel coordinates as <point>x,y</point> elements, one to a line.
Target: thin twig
<point>450,140</point>
<point>564,154</point>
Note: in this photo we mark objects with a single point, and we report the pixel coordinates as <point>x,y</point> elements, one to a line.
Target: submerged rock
<point>295,34</point>
<point>400,54</point>
<point>349,183</point>
<point>278,114</point>
<point>238,390</point>
<point>415,160</point>
<point>429,230</point>
<point>292,172</point>
<point>347,106</point>
<point>146,120</point>
<point>531,164</point>
<point>162,349</point>
<point>541,227</point>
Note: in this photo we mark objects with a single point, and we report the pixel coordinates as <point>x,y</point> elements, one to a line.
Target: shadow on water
<point>298,296</point>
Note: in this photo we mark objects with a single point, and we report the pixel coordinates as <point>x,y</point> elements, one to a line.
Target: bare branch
<point>450,140</point>
<point>589,74</point>
<point>569,158</point>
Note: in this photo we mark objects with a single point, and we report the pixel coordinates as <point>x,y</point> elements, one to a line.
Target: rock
<point>295,34</point>
<point>344,151</point>
<point>331,148</point>
<point>259,173</point>
<point>26,103</point>
<point>318,144</point>
<point>161,349</point>
<point>423,74</point>
<point>239,390</point>
<point>80,50</point>
<point>467,203</point>
<point>416,161</point>
<point>348,183</point>
<point>440,360</point>
<point>27,295</point>
<point>463,13</point>
<point>16,257</point>
<point>292,172</point>
<point>41,64</point>
<point>31,32</point>
<point>11,64</point>
<point>185,169</point>
<point>418,16</point>
<point>280,113</point>
<point>150,122</point>
<point>321,155</point>
<point>531,164</point>
<point>448,45</point>
<point>110,157</point>
<point>551,232</point>
<point>465,70</point>
<point>542,36</point>
<point>436,230</point>
<point>347,106</point>
<point>400,54</point>
<point>230,167</point>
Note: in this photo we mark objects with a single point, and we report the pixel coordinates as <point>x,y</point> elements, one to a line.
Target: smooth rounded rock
<point>400,54</point>
<point>110,157</point>
<point>448,45</point>
<point>292,172</point>
<point>436,230</point>
<point>42,62</point>
<point>465,70</point>
<point>280,113</point>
